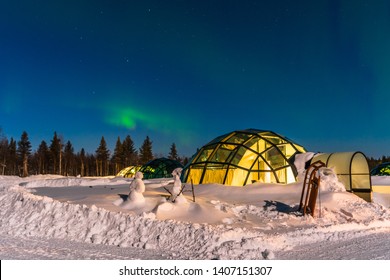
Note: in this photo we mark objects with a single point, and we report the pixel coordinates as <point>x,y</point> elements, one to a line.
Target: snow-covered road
<point>39,248</point>
<point>375,246</point>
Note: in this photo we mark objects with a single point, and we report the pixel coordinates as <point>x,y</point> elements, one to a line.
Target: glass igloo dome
<point>244,157</point>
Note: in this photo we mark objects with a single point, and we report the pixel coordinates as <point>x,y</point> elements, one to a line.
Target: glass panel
<point>237,157</point>
<point>205,154</point>
<point>342,162</point>
<point>320,157</point>
<point>230,175</point>
<point>344,179</point>
<point>360,182</point>
<point>194,175</point>
<point>248,159</point>
<point>261,176</point>
<point>238,138</point>
<point>274,158</point>
<point>214,174</point>
<point>257,144</point>
<point>287,149</point>
<point>290,176</point>
<point>282,175</point>
<point>220,155</point>
<point>359,164</point>
<point>272,138</point>
<point>256,177</point>
<point>260,165</point>
<point>228,146</point>
<point>236,176</point>
<point>232,154</point>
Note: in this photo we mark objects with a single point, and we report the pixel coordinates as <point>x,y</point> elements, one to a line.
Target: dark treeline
<point>58,157</point>
<point>374,162</point>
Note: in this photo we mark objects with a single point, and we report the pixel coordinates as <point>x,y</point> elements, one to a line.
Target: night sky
<point>317,72</point>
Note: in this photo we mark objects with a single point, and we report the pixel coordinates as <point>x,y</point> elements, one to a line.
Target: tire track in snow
<point>23,248</point>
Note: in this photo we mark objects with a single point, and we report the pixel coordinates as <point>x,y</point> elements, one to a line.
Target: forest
<point>59,157</point>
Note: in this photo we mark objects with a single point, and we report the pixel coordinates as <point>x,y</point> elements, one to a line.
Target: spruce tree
<point>24,151</point>
<point>145,152</point>
<point>117,157</point>
<point>43,157</point>
<point>3,152</point>
<point>68,158</point>
<point>90,166</point>
<point>102,156</point>
<point>173,153</point>
<point>56,154</point>
<point>12,155</point>
<point>130,155</point>
<point>82,160</point>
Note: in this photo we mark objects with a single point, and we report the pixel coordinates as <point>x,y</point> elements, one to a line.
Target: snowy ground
<point>53,217</point>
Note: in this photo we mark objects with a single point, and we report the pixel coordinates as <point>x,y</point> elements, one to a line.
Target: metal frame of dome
<point>159,168</point>
<point>244,156</point>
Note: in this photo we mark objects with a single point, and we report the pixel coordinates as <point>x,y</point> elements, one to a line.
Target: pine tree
<point>43,157</point>
<point>3,152</point>
<point>173,153</point>
<point>82,159</point>
<point>130,155</point>
<point>145,152</point>
<point>117,157</point>
<point>102,156</point>
<point>12,155</point>
<point>56,154</point>
<point>90,166</point>
<point>24,151</point>
<point>68,158</point>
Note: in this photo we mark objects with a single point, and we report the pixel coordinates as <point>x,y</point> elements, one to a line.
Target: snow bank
<point>23,213</point>
<point>60,181</point>
<point>253,222</point>
<point>300,164</point>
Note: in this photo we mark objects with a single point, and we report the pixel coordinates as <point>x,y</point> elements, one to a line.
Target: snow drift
<point>253,222</point>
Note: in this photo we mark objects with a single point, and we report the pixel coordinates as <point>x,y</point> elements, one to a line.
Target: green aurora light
<point>125,116</point>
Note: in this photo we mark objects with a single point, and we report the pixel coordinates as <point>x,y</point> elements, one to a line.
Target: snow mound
<point>60,181</point>
<point>329,181</point>
<point>26,214</point>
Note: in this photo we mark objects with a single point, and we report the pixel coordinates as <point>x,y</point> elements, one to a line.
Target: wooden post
<point>193,192</point>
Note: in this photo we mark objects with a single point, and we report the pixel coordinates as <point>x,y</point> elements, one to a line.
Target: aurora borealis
<point>188,71</point>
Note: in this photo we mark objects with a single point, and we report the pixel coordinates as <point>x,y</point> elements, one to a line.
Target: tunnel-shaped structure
<point>243,157</point>
<point>352,170</point>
